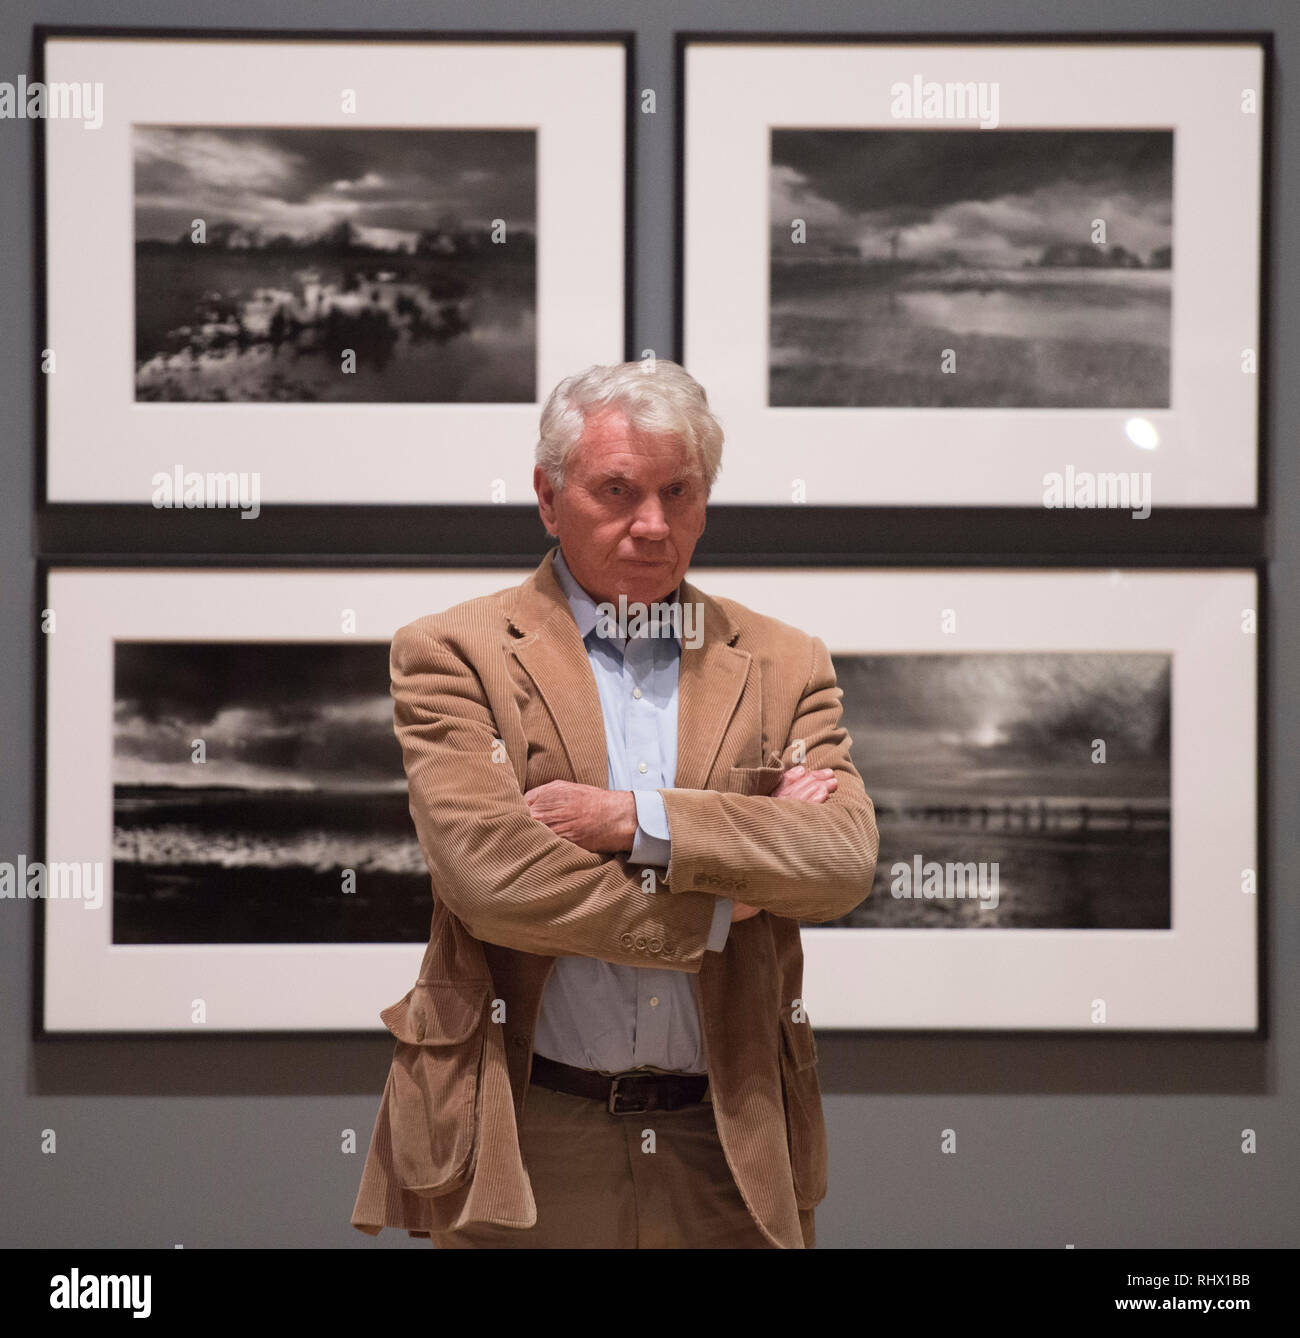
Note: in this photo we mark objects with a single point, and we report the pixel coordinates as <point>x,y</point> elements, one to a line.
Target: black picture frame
<point>42,778</point>
<point>1217,527</point>
<point>181,529</point>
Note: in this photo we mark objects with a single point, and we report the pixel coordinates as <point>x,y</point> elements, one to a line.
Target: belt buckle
<point>615,1094</point>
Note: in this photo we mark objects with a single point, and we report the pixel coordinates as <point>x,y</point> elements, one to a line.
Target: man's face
<point>630,512</point>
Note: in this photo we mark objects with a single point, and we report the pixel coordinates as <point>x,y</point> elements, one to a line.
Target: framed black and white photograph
<point>240,797</point>
<point>1064,769</point>
<point>952,272</point>
<point>328,240</point>
<point>1063,765</point>
<point>350,270</point>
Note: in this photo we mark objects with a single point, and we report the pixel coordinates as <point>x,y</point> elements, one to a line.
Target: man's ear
<point>545,499</point>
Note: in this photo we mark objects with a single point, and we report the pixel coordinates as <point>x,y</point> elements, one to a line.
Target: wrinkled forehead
<point>610,443</point>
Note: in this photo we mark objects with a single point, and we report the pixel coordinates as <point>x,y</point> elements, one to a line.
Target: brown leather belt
<point>623,1092</point>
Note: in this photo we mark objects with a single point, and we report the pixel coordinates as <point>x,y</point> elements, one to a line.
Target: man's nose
<point>649,522</point>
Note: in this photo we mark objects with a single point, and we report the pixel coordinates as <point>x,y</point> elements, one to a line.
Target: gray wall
<point>1094,1141</point>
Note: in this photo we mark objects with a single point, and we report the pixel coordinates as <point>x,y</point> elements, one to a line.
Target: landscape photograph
<point>1055,767</point>
<point>259,794</point>
<point>250,779</point>
<point>307,265</point>
<point>981,268</point>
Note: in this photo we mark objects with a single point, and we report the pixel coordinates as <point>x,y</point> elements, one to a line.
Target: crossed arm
<point>512,880</point>
<point>606,820</point>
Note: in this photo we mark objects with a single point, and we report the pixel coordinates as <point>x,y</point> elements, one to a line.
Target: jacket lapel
<point>553,656</point>
<point>709,686</point>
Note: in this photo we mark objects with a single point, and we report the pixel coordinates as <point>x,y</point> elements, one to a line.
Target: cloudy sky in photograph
<point>1007,726</point>
<point>292,715</point>
<point>390,183</point>
<point>995,197</point>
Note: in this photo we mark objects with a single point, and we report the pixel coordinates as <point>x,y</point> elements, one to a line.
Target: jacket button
<point>668,949</point>
<point>640,944</point>
<point>656,945</point>
<point>625,940</point>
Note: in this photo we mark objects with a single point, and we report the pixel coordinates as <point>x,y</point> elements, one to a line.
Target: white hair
<point>658,397</point>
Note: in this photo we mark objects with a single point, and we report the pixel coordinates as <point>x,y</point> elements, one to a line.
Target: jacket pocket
<point>437,1063</point>
<point>754,780</point>
<point>804,1124</point>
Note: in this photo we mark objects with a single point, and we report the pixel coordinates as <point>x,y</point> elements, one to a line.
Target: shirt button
<point>654,1001</point>
<point>636,692</point>
<point>642,768</point>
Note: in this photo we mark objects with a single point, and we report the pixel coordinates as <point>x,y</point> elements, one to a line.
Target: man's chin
<point>657,586</point>
<point>645,583</point>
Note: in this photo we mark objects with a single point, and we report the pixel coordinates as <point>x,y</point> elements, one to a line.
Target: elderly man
<point>628,793</point>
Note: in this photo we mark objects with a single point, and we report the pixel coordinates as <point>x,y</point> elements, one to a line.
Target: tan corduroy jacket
<point>495,696</point>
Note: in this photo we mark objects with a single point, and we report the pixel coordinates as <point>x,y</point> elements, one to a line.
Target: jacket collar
<point>549,646</point>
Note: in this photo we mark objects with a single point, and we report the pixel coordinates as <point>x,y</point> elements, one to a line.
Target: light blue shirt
<point>595,1014</point>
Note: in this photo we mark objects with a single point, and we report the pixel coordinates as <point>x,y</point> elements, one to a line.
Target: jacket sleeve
<point>803,861</point>
<point>506,876</point>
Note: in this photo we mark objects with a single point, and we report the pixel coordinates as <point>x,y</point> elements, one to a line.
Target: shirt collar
<point>585,609</point>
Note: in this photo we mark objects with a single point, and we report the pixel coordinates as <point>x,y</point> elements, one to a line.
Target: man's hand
<point>812,787</point>
<point>602,821</point>
<point>809,787</point>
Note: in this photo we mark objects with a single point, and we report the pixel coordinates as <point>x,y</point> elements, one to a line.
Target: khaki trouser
<point>598,1186</point>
